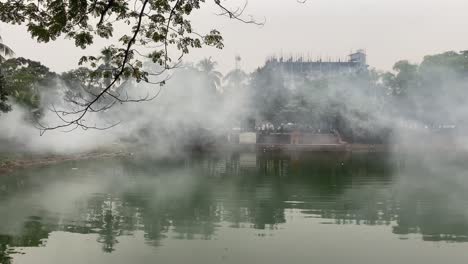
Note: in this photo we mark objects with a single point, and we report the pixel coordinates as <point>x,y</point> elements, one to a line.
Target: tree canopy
<point>23,80</point>
<point>432,90</point>
<point>5,51</point>
<point>163,25</point>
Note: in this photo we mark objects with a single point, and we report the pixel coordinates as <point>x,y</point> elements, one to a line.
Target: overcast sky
<point>389,30</point>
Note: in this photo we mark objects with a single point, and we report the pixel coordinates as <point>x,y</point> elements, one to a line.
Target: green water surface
<point>238,208</point>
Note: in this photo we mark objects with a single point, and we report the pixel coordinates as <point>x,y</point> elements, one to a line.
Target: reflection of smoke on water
<point>196,198</point>
<point>231,164</point>
<point>248,160</point>
<point>433,193</point>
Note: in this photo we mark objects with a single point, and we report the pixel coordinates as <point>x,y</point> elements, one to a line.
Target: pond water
<point>238,208</point>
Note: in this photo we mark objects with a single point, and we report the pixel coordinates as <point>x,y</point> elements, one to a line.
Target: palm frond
<point>6,51</point>
<point>207,65</point>
<point>217,74</point>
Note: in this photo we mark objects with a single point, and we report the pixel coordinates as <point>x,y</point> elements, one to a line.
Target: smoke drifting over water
<point>409,108</point>
<point>427,171</point>
<point>186,107</point>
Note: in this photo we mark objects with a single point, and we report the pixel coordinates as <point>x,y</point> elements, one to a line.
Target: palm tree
<point>235,78</point>
<point>5,51</point>
<point>213,77</point>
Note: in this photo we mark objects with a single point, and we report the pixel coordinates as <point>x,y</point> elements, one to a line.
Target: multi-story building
<point>356,62</point>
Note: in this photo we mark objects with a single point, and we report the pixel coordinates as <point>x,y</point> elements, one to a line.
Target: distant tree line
<point>357,104</point>
<point>364,106</point>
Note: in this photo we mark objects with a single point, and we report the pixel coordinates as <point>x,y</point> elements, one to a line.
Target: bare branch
<point>237,13</point>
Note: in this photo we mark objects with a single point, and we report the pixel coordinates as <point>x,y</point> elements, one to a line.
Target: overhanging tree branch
<point>160,25</point>
<point>78,121</point>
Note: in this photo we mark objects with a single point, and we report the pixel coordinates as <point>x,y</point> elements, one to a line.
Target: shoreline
<point>356,147</point>
<point>42,160</point>
<point>20,163</point>
<point>342,147</point>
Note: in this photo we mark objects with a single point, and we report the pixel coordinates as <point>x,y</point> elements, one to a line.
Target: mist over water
<point>423,123</point>
<point>148,153</point>
<point>132,208</point>
<point>186,106</point>
<point>364,106</point>
<point>408,197</point>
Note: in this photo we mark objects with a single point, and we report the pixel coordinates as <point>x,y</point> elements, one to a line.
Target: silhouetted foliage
<point>163,25</point>
<point>25,81</point>
<point>5,51</point>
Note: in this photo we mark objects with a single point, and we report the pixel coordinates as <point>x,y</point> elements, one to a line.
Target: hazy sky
<point>389,30</point>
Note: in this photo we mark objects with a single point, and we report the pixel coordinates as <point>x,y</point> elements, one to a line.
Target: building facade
<point>355,62</point>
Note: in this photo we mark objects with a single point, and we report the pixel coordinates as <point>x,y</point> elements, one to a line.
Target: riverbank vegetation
<point>193,102</point>
<point>364,106</point>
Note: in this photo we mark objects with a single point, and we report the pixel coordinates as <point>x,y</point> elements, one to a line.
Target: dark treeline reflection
<point>194,198</point>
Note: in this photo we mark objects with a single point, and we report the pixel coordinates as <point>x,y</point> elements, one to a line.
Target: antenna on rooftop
<point>238,59</point>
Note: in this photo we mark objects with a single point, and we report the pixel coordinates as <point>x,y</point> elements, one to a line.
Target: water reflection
<point>194,198</point>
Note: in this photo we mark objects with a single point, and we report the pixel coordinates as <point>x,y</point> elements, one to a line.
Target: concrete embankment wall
<point>319,139</point>
<point>248,138</point>
<point>302,138</point>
